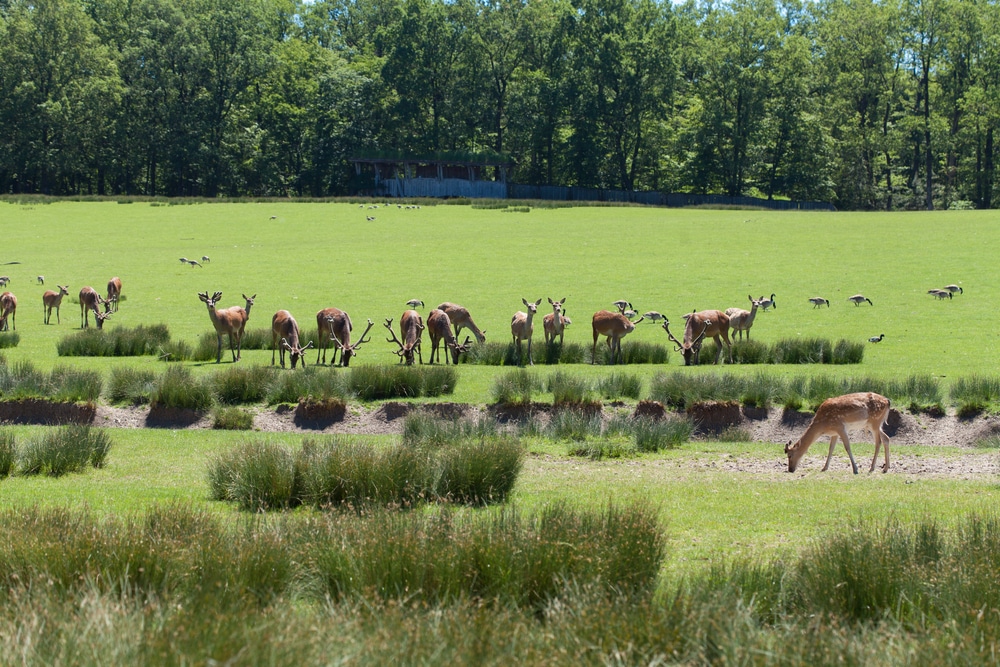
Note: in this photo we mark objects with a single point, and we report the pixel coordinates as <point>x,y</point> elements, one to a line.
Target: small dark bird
<point>413,303</point>
<point>953,289</point>
<point>205,258</point>
<point>876,339</point>
<point>369,218</point>
<point>858,299</point>
<point>194,263</point>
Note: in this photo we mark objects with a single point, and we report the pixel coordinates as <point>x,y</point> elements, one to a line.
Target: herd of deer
<point>90,300</point>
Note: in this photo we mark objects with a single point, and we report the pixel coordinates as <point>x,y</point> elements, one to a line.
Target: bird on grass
<point>876,339</point>
<point>654,316</point>
<point>413,303</point>
<point>818,301</point>
<point>858,299</point>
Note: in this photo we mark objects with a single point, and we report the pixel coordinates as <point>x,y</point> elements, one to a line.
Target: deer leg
<point>531,361</point>
<point>880,439</point>
<point>847,446</point>
<point>833,443</point>
<point>274,343</point>
<point>232,349</point>
<point>218,350</point>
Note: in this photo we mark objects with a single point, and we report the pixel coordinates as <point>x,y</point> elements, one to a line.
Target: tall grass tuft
<point>848,352</point>
<point>439,380</point>
<point>918,392</point>
<point>8,452</point>
<point>22,380</point>
<point>127,384</point>
<point>636,352</point>
<point>751,352</point>
<point>975,394</point>
<point>491,353</point>
<point>178,388</point>
<point>680,389</point>
<point>239,384</point>
<point>9,339</point>
<point>515,387</point>
<point>257,475</point>
<point>802,351</point>
<point>117,342</point>
<point>64,450</point>
<point>311,382</point>
<point>423,429</point>
<point>654,435</point>
<point>574,425</point>
<point>479,471</point>
<point>232,418</point>
<point>75,384</point>
<point>253,339</point>
<point>376,382</point>
<point>569,390</point>
<point>618,385</point>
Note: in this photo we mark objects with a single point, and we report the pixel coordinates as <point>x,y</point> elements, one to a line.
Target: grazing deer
<point>711,323</point>
<point>89,301</point>
<point>439,328</point>
<point>461,319</point>
<point>833,417</point>
<point>554,324</point>
<point>615,326</point>
<point>334,325</point>
<point>230,321</point>
<point>284,326</point>
<point>741,320</point>
<point>340,329</point>
<point>521,328</point>
<point>411,328</point>
<point>52,300</point>
<point>8,308</point>
<point>114,291</point>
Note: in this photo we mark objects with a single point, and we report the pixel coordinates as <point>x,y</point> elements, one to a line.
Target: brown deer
<point>522,328</point>
<point>554,324</point>
<point>8,309</point>
<point>327,320</point>
<point>114,292</point>
<point>439,328</point>
<point>711,323</point>
<point>411,328</point>
<point>89,301</point>
<point>615,326</point>
<point>833,417</point>
<point>337,327</point>
<point>230,321</point>
<point>741,320</point>
<point>245,315</point>
<point>284,326</point>
<point>461,319</point>
<point>52,300</point>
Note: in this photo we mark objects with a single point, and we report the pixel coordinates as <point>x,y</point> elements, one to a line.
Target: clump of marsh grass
<point>479,471</point>
<point>8,452</point>
<point>257,475</point>
<point>232,418</point>
<point>75,384</point>
<point>570,390</point>
<point>515,387</point>
<point>376,382</point>
<point>635,352</point>
<point>975,394</point>
<point>118,342</point>
<point>618,385</point>
<point>239,384</point>
<point>64,450</point>
<point>423,429</point>
<point>9,339</point>
<point>127,384</point>
<point>311,382</point>
<point>178,388</point>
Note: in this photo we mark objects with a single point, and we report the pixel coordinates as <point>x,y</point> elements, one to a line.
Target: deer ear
<point>538,302</point>
<point>551,301</point>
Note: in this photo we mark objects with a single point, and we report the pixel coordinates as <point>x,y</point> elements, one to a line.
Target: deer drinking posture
<point>615,326</point>
<point>114,292</point>
<point>461,319</point>
<point>833,417</point>
<point>284,326</point>
<point>411,328</point>
<point>89,301</point>
<point>741,320</point>
<point>52,300</point>
<point>554,324</point>
<point>338,327</point>
<point>8,309</point>
<point>711,323</point>
<point>439,328</point>
<point>229,321</point>
<point>522,327</point>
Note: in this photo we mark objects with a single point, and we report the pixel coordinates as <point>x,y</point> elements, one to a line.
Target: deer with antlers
<point>615,326</point>
<point>114,292</point>
<point>89,301</point>
<point>8,309</point>
<point>335,325</point>
<point>230,321</point>
<point>52,299</point>
<point>411,328</point>
<point>711,323</point>
<point>554,324</point>
<point>460,319</point>
<point>741,320</point>
<point>834,416</point>
<point>522,328</point>
<point>439,329</point>
<point>285,328</point>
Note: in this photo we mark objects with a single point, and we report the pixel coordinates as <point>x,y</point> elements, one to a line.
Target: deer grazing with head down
<point>741,320</point>
<point>411,328</point>
<point>114,292</point>
<point>89,301</point>
<point>711,323</point>
<point>615,326</point>
<point>461,319</point>
<point>52,300</point>
<point>439,329</point>
<point>8,309</point>
<point>229,321</point>
<point>340,330</point>
<point>284,327</point>
<point>554,324</point>
<point>522,328</point>
<point>834,416</point>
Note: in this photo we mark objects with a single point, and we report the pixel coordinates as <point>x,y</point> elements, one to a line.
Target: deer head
<point>405,352</point>
<point>348,351</point>
<point>457,349</point>
<point>691,349</point>
<point>100,317</point>
<point>295,352</point>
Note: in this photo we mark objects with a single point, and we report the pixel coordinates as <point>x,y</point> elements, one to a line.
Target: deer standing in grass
<point>460,319</point>
<point>284,326</point>
<point>89,301</point>
<point>711,323</point>
<point>834,416</point>
<point>554,324</point>
<point>8,309</point>
<point>230,321</point>
<point>615,326</point>
<point>411,328</point>
<point>741,320</point>
<point>114,292</point>
<point>339,328</point>
<point>521,328</point>
<point>52,299</point>
<point>439,328</point>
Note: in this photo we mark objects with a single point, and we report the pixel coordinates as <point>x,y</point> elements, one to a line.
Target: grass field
<point>304,257</point>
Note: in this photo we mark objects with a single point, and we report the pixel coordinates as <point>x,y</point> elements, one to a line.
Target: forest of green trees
<point>883,104</point>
